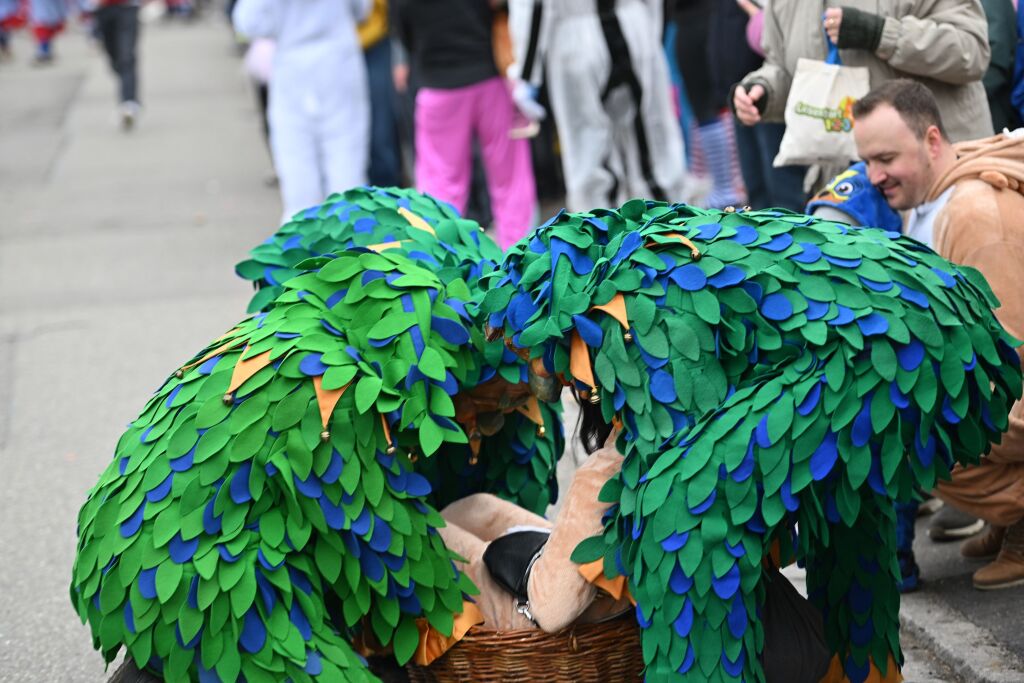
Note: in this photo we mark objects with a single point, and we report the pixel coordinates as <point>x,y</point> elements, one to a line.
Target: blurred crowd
<point>499,107</point>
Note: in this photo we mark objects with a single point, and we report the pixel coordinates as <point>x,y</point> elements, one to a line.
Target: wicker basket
<point>584,653</point>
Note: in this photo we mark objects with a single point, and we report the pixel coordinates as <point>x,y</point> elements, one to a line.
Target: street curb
<point>971,651</point>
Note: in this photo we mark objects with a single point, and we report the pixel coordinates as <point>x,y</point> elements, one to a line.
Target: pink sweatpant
<point>446,123</point>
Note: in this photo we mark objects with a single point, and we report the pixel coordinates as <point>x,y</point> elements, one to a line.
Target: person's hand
<point>833,20</point>
<point>749,7</point>
<point>400,77</point>
<point>745,104</point>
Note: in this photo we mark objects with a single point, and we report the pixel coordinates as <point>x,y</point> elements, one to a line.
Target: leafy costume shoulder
<point>512,455</point>
<point>769,370</point>
<point>269,477</point>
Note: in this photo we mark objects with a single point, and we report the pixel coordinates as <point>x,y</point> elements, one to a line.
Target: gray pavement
<point>116,256</point>
<point>116,261</point>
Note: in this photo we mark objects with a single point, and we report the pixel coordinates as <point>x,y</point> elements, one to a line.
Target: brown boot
<point>1008,568</point>
<point>984,546</point>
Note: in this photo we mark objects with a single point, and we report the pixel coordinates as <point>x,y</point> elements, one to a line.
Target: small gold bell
<point>473,459</point>
<point>413,456</point>
<point>745,208</point>
<point>228,399</point>
<point>391,450</point>
<point>628,336</point>
<point>325,436</point>
<point>541,431</point>
<point>595,398</point>
<point>730,209</point>
<point>179,373</point>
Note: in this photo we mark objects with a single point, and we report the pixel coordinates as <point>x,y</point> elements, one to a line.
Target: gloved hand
<point>525,97</point>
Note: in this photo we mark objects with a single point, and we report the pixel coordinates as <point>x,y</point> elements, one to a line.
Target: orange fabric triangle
<point>616,308</point>
<point>579,361</point>
<point>835,673</point>
<point>415,221</point>
<point>531,409</point>
<point>694,251</point>
<point>433,643</point>
<point>244,369</point>
<point>593,572</point>
<point>327,398</point>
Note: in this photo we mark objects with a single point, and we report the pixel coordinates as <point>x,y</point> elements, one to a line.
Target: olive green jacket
<point>943,43</point>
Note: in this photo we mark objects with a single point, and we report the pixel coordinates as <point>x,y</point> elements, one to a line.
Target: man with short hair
<point>964,201</point>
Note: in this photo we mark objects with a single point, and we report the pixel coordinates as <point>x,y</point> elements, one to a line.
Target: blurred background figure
<point>942,43</point>
<point>998,79</point>
<point>610,93</point>
<point>318,108</point>
<point>117,26</point>
<point>708,49</point>
<point>462,98</point>
<point>385,162</point>
<point>47,19</point>
<point>259,61</point>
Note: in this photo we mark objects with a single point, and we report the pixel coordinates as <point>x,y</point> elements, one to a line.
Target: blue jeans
<point>385,166</point>
<point>767,186</point>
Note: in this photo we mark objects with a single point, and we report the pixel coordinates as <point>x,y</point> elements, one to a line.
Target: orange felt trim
<point>579,361</point>
<point>383,246</point>
<point>531,409</point>
<point>216,352</point>
<point>415,221</point>
<point>694,251</point>
<point>593,572</point>
<point>616,308</point>
<point>327,398</point>
<point>387,430</point>
<point>433,643</point>
<point>835,672</point>
<point>244,369</point>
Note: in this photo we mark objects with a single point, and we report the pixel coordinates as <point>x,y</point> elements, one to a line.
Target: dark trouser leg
<point>786,183</point>
<point>106,28</point>
<point>752,167</point>
<point>127,34</point>
<point>384,161</point>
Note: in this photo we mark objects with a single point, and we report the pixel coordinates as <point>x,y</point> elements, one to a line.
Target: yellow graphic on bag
<point>838,120</point>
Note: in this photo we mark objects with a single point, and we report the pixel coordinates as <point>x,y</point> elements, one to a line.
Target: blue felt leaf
<point>843,316</point>
<point>679,582</point>
<point>254,632</point>
<point>873,324</point>
<point>590,332</point>
<point>776,307</point>
<point>309,487</point>
<point>684,622</point>
<point>727,277</point>
<point>810,253</point>
<point>746,234</point>
<point>824,457</point>
<point>689,277</point>
<point>380,540</point>
<point>910,355</point>
<point>131,526</point>
<point>778,243</point>
<point>239,487</point>
<point>675,542</point>
<point>147,583</point>
<point>816,310</point>
<point>663,388</point>
<point>860,432</point>
<point>726,586</point>
<point>361,524</point>
<point>450,330</point>
<point>160,491</point>
<point>180,550</point>
<point>947,279</point>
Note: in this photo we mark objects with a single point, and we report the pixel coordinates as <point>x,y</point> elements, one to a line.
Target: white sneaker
<point>129,113</point>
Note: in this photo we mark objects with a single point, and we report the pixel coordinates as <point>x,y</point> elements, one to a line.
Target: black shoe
<point>951,524</point>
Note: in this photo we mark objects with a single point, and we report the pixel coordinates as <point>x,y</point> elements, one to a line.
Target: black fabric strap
<point>531,46</point>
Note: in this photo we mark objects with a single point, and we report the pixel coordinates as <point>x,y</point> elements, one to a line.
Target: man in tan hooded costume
<point>965,201</point>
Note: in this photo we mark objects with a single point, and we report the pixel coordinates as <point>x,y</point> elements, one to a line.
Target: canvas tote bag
<point>819,117</point>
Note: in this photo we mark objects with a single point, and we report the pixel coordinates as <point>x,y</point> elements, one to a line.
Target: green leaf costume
<point>769,370</point>
<point>278,494</point>
<point>516,463</point>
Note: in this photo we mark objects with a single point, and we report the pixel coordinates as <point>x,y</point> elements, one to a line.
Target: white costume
<point>318,109</point>
<point>601,58</point>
